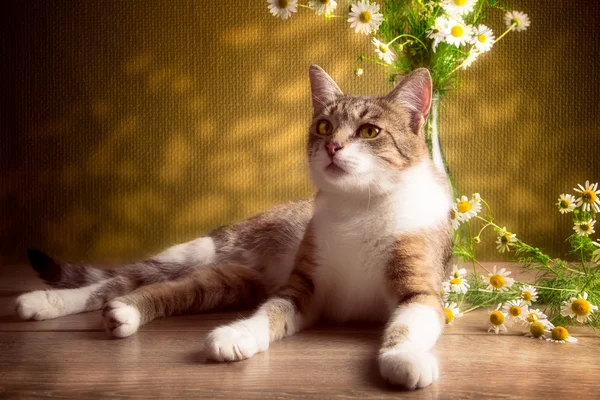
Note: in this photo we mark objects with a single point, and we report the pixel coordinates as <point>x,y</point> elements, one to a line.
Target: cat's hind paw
<point>39,305</point>
<point>411,369</point>
<point>121,320</point>
<point>230,343</point>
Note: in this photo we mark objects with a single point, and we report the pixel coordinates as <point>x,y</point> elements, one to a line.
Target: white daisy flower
<point>359,71</point>
<point>364,17</point>
<point>473,54</point>
<point>590,197</point>
<point>585,228</point>
<point>438,31</point>
<point>458,7</point>
<point>560,334</point>
<point>518,18</point>
<point>506,241</point>
<point>282,8</point>
<point>578,307</point>
<point>383,51</point>
<point>451,311</point>
<point>445,290</point>
<point>323,7</point>
<point>483,38</point>
<point>466,208</point>
<point>516,310</point>
<point>534,315</point>
<point>528,294</point>
<point>496,320</point>
<point>539,330</point>
<point>454,217</point>
<point>499,280</point>
<point>566,203</point>
<point>460,33</point>
<point>458,283</point>
<point>596,253</point>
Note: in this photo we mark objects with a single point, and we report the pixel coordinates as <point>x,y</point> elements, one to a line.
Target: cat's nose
<point>333,148</point>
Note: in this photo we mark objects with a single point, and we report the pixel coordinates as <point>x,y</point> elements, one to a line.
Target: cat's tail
<point>71,276</point>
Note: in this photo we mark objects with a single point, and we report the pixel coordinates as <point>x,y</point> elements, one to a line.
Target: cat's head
<point>360,144</point>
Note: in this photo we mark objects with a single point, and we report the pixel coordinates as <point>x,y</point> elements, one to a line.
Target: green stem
<point>510,28</point>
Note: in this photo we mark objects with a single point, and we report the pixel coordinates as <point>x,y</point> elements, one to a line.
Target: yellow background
<point>134,125</point>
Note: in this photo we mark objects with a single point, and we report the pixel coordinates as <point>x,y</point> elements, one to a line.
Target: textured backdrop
<point>139,124</point>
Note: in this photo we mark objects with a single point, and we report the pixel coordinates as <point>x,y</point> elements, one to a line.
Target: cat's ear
<point>324,90</point>
<point>414,94</point>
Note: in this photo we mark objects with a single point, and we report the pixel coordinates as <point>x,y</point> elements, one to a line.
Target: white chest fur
<point>355,239</point>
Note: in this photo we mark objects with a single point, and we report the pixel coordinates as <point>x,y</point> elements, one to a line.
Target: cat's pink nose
<point>332,148</point>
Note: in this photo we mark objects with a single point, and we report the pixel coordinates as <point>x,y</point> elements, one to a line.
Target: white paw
<point>39,305</point>
<point>231,343</point>
<point>411,369</point>
<point>120,319</point>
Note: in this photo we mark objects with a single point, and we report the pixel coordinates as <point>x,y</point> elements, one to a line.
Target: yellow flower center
<point>581,307</point>
<point>456,281</point>
<point>585,226</point>
<point>449,315</point>
<point>463,206</point>
<point>526,295</point>
<point>536,329</point>
<point>482,38</point>
<point>497,281</point>
<point>505,239</point>
<point>588,196</point>
<point>383,48</point>
<point>365,17</point>
<point>516,21</point>
<point>497,318</point>
<point>452,215</point>
<point>533,317</point>
<point>324,1</point>
<point>565,204</point>
<point>515,311</point>
<point>283,3</point>
<point>560,333</point>
<point>460,3</point>
<point>457,31</point>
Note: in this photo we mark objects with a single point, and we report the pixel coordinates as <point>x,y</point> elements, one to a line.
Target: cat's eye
<point>368,131</point>
<point>324,127</point>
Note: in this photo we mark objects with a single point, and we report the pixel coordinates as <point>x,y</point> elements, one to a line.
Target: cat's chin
<point>335,171</point>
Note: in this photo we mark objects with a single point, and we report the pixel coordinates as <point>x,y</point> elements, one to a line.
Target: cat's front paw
<point>231,343</point>
<point>411,369</point>
<point>121,320</point>
<point>39,305</point>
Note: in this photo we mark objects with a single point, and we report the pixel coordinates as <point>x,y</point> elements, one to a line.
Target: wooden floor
<point>73,357</point>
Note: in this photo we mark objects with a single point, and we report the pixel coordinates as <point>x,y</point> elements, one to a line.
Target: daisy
<point>282,8</point>
<point>364,17</point>
<point>516,310</point>
<point>452,312</point>
<point>528,294</point>
<point>454,218</point>
<point>585,228</point>
<point>536,315</point>
<point>460,33</point>
<point>323,7</point>
<point>473,54</point>
<point>457,282</point>
<point>517,18</point>
<point>466,208</point>
<point>483,38</point>
<point>458,7</point>
<point>359,71</point>
<point>496,320</point>
<point>438,31</point>
<point>560,334</point>
<point>445,290</point>
<point>539,330</point>
<point>506,241</point>
<point>589,197</point>
<point>499,280</point>
<point>383,51</point>
<point>566,203</point>
<point>578,307</point>
<point>596,253</point>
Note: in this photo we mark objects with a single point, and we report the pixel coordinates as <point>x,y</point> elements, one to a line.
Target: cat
<point>373,245</point>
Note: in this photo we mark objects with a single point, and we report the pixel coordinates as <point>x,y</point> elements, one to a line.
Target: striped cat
<point>373,245</point>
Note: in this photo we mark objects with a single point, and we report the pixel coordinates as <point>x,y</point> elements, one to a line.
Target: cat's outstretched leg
<point>292,308</point>
<point>209,288</point>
